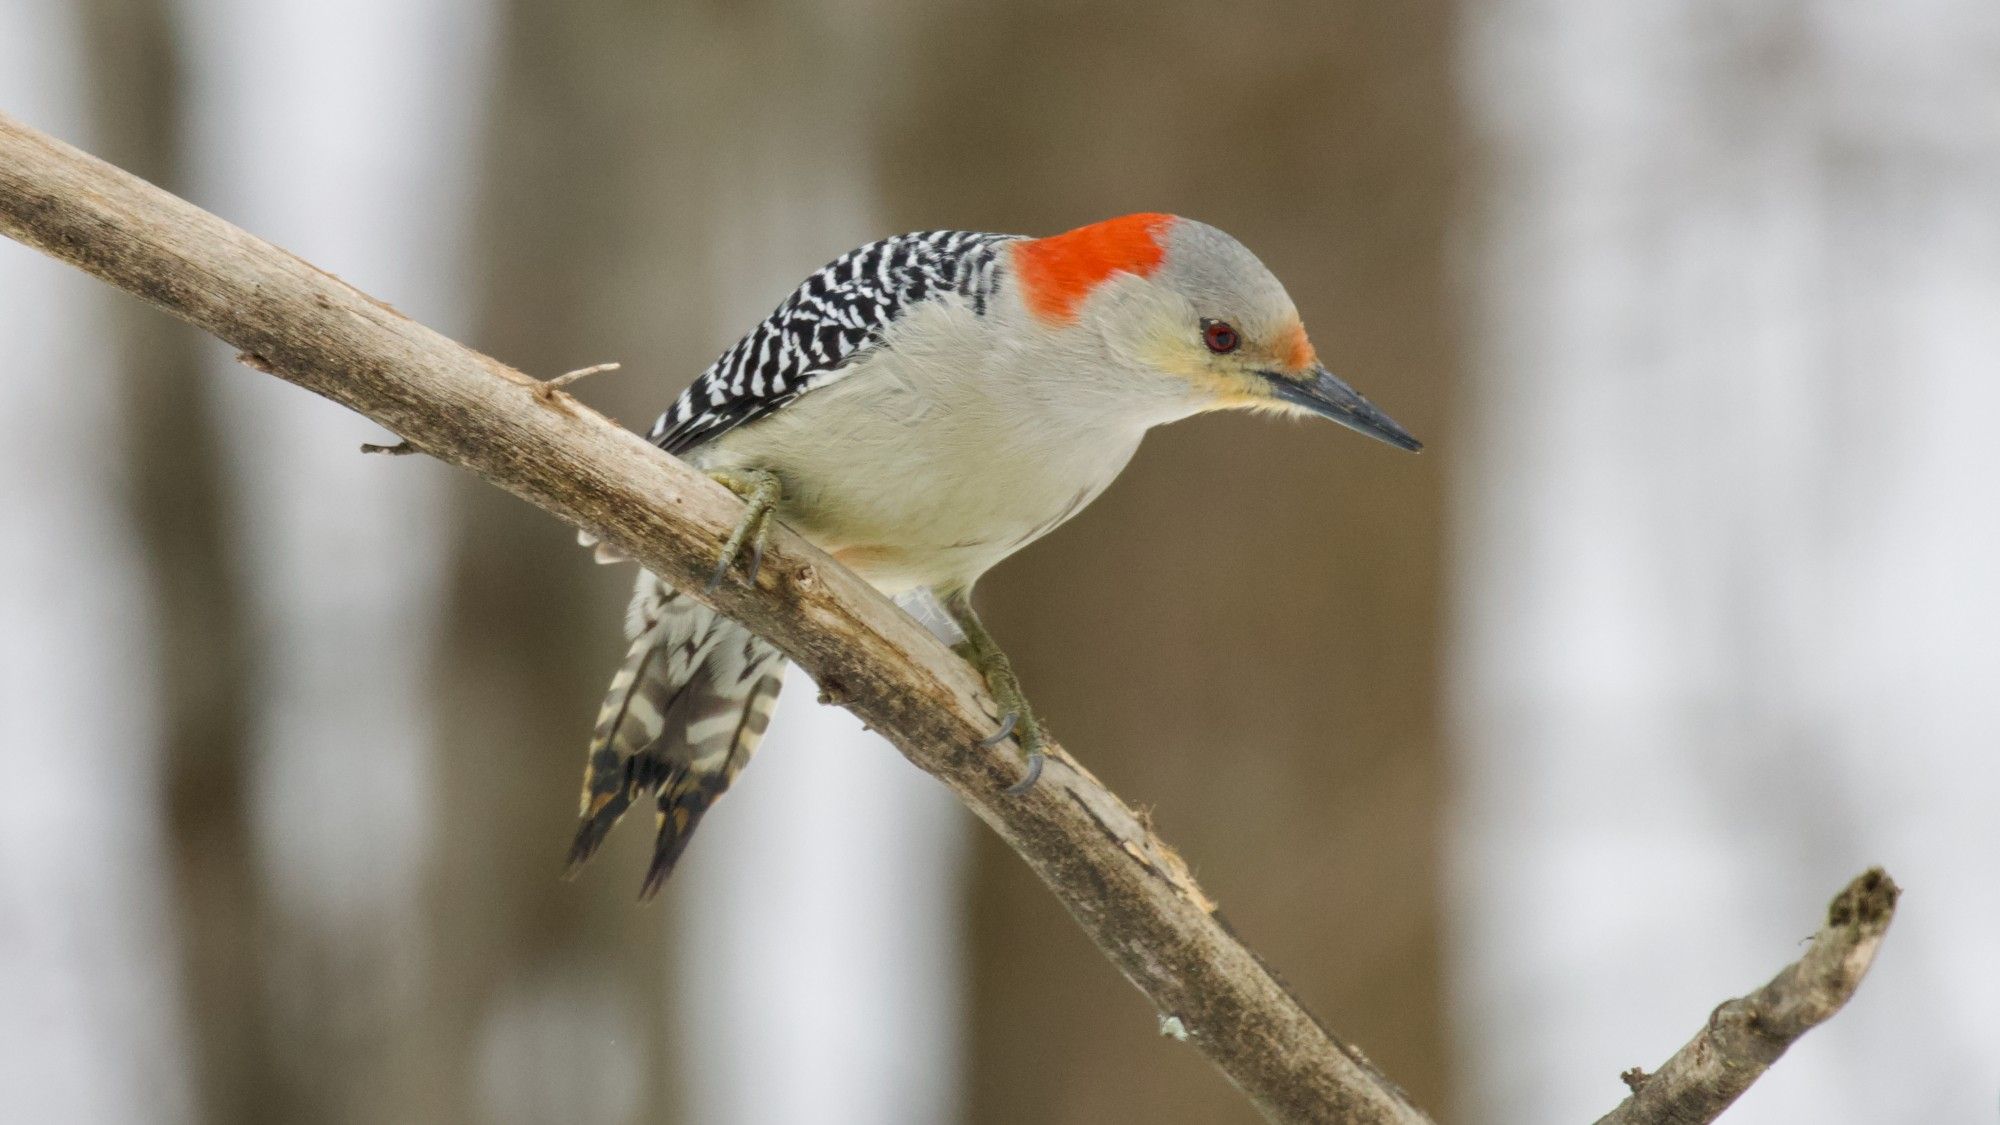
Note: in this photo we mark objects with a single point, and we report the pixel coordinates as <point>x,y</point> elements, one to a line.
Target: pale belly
<point>925,490</point>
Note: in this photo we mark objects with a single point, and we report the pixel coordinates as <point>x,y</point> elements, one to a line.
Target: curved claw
<point>1007,722</point>
<point>760,491</point>
<point>1035,763</point>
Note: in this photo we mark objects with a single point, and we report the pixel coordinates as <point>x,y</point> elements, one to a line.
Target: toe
<point>1007,723</point>
<point>1034,774</point>
<point>721,572</point>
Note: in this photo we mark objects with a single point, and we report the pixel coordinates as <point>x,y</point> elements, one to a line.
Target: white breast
<point>962,440</point>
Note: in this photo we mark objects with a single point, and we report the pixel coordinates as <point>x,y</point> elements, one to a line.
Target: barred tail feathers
<point>683,715</point>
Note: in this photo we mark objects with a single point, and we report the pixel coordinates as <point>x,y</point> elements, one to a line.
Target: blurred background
<point>1514,758</point>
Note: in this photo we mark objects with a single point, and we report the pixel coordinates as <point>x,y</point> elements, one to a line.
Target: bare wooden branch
<point>1743,1037</point>
<point>1129,891</point>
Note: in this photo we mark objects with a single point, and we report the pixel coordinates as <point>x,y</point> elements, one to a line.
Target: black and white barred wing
<point>834,317</point>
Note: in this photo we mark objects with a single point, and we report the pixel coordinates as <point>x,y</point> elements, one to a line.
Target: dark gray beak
<point>1325,395</point>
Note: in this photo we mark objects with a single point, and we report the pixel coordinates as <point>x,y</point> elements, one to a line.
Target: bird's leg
<point>1016,717</point>
<point>760,490</point>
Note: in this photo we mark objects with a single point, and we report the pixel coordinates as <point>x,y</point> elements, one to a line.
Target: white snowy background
<point>1730,554</point>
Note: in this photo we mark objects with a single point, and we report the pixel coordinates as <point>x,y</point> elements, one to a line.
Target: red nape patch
<point>1058,272</point>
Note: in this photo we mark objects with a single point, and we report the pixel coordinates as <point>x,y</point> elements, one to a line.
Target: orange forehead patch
<point>1057,273</point>
<point>1296,350</point>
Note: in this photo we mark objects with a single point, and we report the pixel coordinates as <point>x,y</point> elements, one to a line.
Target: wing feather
<point>833,317</point>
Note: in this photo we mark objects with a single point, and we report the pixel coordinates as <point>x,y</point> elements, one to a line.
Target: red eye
<point>1220,337</point>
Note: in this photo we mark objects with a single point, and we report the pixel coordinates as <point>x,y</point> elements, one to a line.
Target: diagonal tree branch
<point>1744,1036</point>
<point>1128,890</point>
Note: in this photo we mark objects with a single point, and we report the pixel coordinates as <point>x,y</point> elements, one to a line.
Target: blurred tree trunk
<point>551,998</point>
<point>201,644</point>
<point>1244,633</point>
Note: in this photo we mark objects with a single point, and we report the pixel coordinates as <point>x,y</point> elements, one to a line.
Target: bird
<point>921,408</point>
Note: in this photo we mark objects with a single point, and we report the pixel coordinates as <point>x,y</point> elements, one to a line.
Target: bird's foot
<point>761,491</point>
<point>1017,719</point>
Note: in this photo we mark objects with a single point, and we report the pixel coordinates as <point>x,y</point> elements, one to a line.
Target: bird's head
<point>1182,301</point>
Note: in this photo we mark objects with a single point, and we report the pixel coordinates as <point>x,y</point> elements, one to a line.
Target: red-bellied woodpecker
<point>920,409</point>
